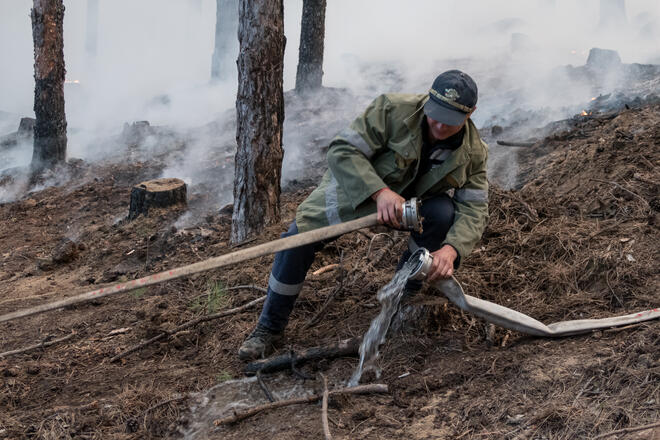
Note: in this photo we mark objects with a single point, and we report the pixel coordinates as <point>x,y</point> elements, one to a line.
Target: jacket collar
<point>414,121</point>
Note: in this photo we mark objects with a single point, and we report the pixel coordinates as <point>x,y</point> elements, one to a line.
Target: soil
<point>578,240</point>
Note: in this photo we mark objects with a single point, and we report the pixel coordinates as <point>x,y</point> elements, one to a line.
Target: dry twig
<point>317,316</point>
<point>325,269</point>
<point>35,346</point>
<point>324,410</point>
<point>622,189</point>
<point>187,325</point>
<point>360,389</point>
<point>628,430</point>
<point>264,387</point>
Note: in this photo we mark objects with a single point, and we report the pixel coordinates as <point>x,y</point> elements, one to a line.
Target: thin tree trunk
<point>92,30</point>
<point>310,54</point>
<point>226,39</point>
<point>49,72</point>
<point>260,114</point>
<point>612,14</point>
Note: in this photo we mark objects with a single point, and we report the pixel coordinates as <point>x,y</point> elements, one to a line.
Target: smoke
<point>153,60</point>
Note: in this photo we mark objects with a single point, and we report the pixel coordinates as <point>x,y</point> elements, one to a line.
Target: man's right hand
<point>390,207</point>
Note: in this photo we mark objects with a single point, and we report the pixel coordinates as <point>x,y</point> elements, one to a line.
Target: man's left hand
<point>443,263</point>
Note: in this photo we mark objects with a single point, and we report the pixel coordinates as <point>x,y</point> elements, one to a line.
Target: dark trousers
<point>291,266</point>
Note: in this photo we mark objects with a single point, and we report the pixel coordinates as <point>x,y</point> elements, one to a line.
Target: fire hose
<point>514,320</point>
<point>451,288</point>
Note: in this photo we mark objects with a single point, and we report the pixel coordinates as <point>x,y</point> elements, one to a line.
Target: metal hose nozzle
<point>423,260</point>
<point>411,218</point>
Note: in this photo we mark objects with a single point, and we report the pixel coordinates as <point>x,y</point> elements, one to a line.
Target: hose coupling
<point>411,219</point>
<point>423,260</point>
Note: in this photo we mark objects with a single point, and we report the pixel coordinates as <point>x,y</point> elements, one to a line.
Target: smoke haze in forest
<point>154,56</point>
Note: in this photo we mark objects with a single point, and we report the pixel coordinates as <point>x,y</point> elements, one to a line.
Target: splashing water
<point>389,297</point>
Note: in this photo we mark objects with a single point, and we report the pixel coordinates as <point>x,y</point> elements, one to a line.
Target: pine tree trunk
<point>612,14</point>
<point>50,127</point>
<point>310,54</point>
<point>92,29</point>
<point>226,39</point>
<point>260,114</point>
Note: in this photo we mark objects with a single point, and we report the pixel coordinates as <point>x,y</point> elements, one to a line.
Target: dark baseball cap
<point>452,96</point>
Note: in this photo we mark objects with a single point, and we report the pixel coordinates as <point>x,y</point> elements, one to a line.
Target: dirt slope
<point>579,240</point>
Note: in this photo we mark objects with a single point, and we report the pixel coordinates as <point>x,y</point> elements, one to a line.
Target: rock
<point>515,420</point>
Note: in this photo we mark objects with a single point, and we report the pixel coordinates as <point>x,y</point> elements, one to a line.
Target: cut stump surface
<point>157,193</point>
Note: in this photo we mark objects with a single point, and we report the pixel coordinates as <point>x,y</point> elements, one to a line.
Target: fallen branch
<point>42,344</point>
<point>515,144</point>
<point>623,189</point>
<point>360,389</point>
<point>324,410</point>
<point>347,347</point>
<point>187,325</point>
<point>317,316</point>
<point>627,430</point>
<point>374,238</point>
<point>176,398</point>
<point>264,388</point>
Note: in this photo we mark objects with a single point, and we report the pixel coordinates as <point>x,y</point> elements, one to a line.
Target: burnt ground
<point>578,240</point>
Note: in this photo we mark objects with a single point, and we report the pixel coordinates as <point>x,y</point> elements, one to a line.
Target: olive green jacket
<point>381,148</point>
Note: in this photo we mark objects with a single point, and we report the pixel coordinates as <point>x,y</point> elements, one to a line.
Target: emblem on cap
<point>452,94</point>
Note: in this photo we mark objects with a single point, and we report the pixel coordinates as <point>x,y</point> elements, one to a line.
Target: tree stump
<point>157,193</point>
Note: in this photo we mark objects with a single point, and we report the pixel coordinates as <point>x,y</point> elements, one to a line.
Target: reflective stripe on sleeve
<point>471,195</point>
<point>331,204</point>
<point>283,288</point>
<point>354,138</point>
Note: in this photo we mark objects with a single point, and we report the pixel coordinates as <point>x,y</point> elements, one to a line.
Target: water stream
<point>235,395</point>
<point>389,297</point>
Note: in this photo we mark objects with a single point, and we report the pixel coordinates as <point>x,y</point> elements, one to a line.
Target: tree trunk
<point>157,193</point>
<point>50,127</point>
<point>310,54</point>
<point>226,39</point>
<point>260,114</point>
<point>612,14</point>
<point>92,29</point>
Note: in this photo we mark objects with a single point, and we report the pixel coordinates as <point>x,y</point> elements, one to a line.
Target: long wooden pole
<point>212,263</point>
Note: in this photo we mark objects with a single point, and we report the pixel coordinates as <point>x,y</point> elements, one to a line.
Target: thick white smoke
<point>153,60</point>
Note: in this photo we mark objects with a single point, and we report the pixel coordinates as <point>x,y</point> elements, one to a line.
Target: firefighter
<point>402,146</point>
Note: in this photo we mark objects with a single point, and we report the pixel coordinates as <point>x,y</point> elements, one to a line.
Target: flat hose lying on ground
<point>513,320</point>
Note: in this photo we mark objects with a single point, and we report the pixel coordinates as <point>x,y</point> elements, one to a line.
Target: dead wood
<point>634,194</point>
<point>360,389</point>
<point>628,430</point>
<point>157,193</point>
<point>317,316</point>
<point>515,144</point>
<point>347,347</point>
<point>324,410</point>
<point>187,325</point>
<point>264,387</point>
<point>42,344</point>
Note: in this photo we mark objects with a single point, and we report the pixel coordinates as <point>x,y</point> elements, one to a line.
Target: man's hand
<point>443,263</point>
<point>390,207</point>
